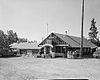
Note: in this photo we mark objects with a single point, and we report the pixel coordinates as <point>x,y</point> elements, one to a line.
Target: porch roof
<point>47,45</point>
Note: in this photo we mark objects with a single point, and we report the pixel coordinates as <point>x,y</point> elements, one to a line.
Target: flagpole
<point>81,49</point>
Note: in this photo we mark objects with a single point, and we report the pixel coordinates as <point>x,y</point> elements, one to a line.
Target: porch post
<point>61,49</point>
<point>44,50</point>
<point>50,49</point>
<point>19,52</point>
<point>55,49</point>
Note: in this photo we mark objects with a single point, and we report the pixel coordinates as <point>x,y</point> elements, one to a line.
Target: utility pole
<point>81,49</point>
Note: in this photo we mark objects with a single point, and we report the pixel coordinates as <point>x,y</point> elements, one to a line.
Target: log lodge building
<point>63,43</point>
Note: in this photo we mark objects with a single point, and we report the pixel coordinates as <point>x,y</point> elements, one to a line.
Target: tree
<point>3,40</point>
<point>32,41</point>
<point>7,39</point>
<point>22,40</point>
<point>12,37</point>
<point>93,33</point>
<point>3,43</point>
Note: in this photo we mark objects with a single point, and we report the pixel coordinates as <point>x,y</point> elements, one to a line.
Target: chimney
<point>66,32</point>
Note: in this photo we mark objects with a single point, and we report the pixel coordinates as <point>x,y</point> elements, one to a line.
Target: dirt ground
<point>29,68</point>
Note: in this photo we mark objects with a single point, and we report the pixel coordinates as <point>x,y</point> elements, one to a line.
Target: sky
<point>29,18</point>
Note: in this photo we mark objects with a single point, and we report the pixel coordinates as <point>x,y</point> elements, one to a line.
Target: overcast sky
<point>29,18</point>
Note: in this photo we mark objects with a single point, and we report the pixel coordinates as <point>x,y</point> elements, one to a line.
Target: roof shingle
<point>75,41</point>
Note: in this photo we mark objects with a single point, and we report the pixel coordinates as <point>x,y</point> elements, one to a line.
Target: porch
<point>64,51</point>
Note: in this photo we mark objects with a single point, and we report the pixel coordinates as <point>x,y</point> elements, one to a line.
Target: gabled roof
<point>75,41</point>
<point>25,45</point>
<point>72,41</point>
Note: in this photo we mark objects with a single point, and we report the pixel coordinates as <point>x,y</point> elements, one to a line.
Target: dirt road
<point>29,68</point>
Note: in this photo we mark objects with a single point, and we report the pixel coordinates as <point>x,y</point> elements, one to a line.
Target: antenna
<point>42,38</point>
<point>47,29</point>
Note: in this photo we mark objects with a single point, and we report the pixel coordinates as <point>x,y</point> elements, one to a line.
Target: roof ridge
<point>65,34</point>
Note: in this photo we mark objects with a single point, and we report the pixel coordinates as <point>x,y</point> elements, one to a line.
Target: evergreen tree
<point>93,33</point>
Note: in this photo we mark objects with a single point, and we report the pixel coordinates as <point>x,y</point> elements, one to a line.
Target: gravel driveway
<point>29,68</point>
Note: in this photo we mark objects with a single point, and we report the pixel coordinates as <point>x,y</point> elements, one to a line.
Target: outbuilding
<point>25,48</point>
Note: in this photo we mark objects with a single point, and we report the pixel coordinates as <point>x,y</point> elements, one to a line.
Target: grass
<point>27,68</point>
